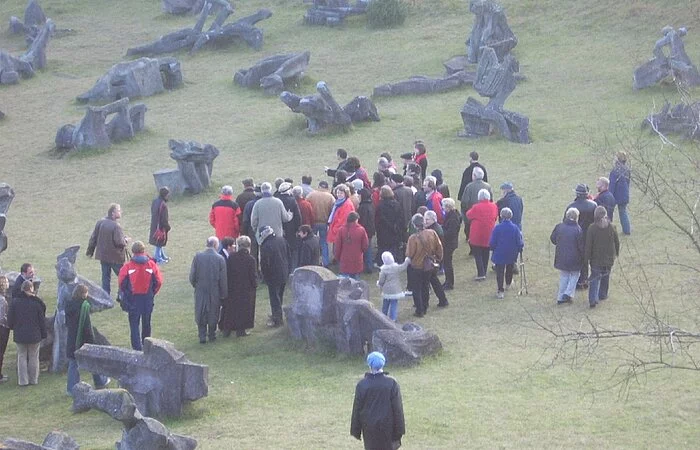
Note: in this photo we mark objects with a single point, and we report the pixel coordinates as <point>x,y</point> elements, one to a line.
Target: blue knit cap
<point>375,361</point>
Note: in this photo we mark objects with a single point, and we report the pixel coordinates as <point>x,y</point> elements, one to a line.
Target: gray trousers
<point>28,364</point>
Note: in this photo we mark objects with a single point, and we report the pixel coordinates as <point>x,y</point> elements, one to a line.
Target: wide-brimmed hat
<point>284,187</point>
<point>507,185</point>
<point>581,189</point>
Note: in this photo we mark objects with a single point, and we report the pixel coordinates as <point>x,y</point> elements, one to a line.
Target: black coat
<point>377,412</point>
<point>367,216</point>
<point>309,251</point>
<point>390,225</point>
<point>27,319</point>
<point>238,310</point>
<point>450,228</point>
<point>569,239</point>
<point>586,208</point>
<point>467,178</point>
<point>290,228</point>
<point>72,323</point>
<point>274,261</point>
<point>159,216</point>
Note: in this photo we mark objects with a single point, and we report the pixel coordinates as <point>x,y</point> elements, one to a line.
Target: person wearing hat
<point>270,211</point>
<point>586,208</point>
<point>274,264</point>
<point>509,199</point>
<point>322,202</point>
<point>223,215</point>
<point>291,227</point>
<point>377,410</point>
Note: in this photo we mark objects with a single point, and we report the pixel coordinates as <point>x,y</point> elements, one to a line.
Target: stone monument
<point>419,84</point>
<point>683,119</point>
<point>34,20</point>
<point>333,12</point>
<point>490,30</point>
<point>179,7</point>
<point>55,440</point>
<point>328,310</point>
<point>195,163</point>
<point>139,432</point>
<point>322,111</point>
<point>7,194</point>
<point>11,68</point>
<point>274,73</point>
<point>160,378</point>
<point>219,33</point>
<point>675,66</point>
<point>494,80</point>
<point>95,131</point>
<point>140,78</point>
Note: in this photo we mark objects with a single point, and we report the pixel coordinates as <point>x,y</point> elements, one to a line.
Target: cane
<point>523,276</point>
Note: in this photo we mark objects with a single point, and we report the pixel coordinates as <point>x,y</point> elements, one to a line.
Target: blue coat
<point>607,200</point>
<point>506,242</point>
<point>620,183</point>
<point>569,240</point>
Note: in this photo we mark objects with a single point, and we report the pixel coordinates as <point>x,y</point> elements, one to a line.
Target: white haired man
<point>208,278</point>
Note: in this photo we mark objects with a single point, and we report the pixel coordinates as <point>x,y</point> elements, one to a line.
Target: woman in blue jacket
<point>506,243</point>
<point>620,189</point>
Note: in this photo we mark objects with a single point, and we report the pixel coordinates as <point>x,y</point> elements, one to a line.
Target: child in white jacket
<point>390,283</point>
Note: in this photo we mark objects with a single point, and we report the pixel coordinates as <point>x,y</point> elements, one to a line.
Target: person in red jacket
<point>351,243</point>
<point>482,218</point>
<point>305,207</point>
<point>139,282</point>
<point>339,213</point>
<point>224,215</point>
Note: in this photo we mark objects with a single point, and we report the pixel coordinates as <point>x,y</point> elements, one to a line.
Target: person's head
<point>600,215</point>
<point>80,292</point>
<point>429,218</point>
<point>483,195</point>
<point>477,174</point>
<point>358,184</point>
<point>248,183</point>
<point>386,155</point>
<point>306,179</point>
<point>342,191</point>
<point>138,248</point>
<point>365,195</point>
<point>226,190</point>
<point>407,157</point>
<point>265,232</point>
<point>297,192</point>
<point>437,174</point>
<point>353,217</point>
<point>448,204</point>
<point>408,181</point>
<point>213,242</point>
<point>419,148</point>
<point>341,176</point>
<point>378,180</point>
<point>602,184</point>
<point>621,157</point>
<point>382,163</point>
<point>289,180</point>
<point>429,183</point>
<point>473,157</point>
<point>266,188</point>
<point>115,211</point>
<point>396,179</point>
<point>581,190</point>
<point>388,258</point>
<point>417,221</point>
<point>353,163</point>
<point>422,210</point>
<point>572,214</point>
<point>506,214</point>
<point>228,243</point>
<point>323,185</point>
<point>304,231</point>
<point>28,287</point>
<point>341,154</point>
<point>163,193</point>
<point>506,187</point>
<point>376,361</point>
<point>243,243</point>
<point>27,270</point>
<point>278,182</point>
<point>4,284</point>
<point>386,193</point>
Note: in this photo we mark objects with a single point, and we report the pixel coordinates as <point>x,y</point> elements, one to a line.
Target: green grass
<point>491,387</point>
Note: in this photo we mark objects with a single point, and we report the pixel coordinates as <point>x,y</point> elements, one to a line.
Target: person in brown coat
<point>160,225</point>
<point>602,246</point>
<point>107,243</point>
<point>425,250</point>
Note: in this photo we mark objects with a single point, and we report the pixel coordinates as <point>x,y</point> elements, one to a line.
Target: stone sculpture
<point>55,440</point>
<point>682,118</point>
<point>333,12</point>
<point>94,130</point>
<point>11,68</point>
<point>425,85</point>
<point>195,38</point>
<point>7,194</point>
<point>34,19</point>
<point>195,163</point>
<point>321,109</point>
<point>160,378</point>
<point>140,78</point>
<point>326,309</point>
<point>274,73</point>
<point>490,30</point>
<point>139,432</point>
<point>676,66</point>
<point>179,7</point>
<point>67,280</point>
<point>496,81</point>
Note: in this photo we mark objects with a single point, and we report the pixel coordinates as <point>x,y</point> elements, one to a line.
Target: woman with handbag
<point>425,250</point>
<point>160,226</point>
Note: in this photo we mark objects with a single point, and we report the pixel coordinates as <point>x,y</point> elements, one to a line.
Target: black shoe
<point>202,341</point>
<point>226,333</point>
<point>212,338</point>
<point>447,287</point>
<point>592,305</point>
<point>564,299</point>
<point>242,333</point>
<point>443,305</point>
<point>603,298</point>
<point>418,314</point>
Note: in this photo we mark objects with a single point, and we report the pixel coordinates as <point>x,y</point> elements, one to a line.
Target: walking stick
<point>523,276</point>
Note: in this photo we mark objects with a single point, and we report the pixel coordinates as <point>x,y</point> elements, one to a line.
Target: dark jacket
<point>238,311</point>
<point>159,217</point>
<point>418,201</point>
<point>17,287</point>
<point>377,412</point>
<point>451,226</point>
<point>274,262</point>
<point>107,242</point>
<point>602,245</point>
<point>607,200</point>
<point>515,203</point>
<point>309,251</point>
<point>404,195</point>
<point>27,319</point>
<point>290,228</point>
<point>391,227</point>
<point>139,282</point>
<point>366,212</point>
<point>246,227</point>
<point>568,238</point>
<point>467,178</point>
<point>72,323</point>
<point>586,208</point>
<point>244,197</point>
<point>506,242</point>
<point>620,183</point>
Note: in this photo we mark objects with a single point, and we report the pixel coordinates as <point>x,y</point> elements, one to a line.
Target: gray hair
<point>227,190</point>
<point>417,221</point>
<point>478,173</point>
<point>483,194</point>
<point>212,242</point>
<point>506,213</point>
<point>266,187</point>
<point>243,242</point>
<point>298,192</point>
<point>572,214</point>
<point>605,181</point>
<point>430,215</point>
<point>448,204</point>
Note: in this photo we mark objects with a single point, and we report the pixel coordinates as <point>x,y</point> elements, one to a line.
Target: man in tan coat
<point>322,202</point>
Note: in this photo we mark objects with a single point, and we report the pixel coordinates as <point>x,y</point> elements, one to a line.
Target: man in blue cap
<point>377,412</point>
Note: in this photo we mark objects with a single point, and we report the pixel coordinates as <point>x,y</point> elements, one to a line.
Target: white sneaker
<point>500,295</point>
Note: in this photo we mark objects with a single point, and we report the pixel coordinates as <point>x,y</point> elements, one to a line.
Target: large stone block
<point>170,178</point>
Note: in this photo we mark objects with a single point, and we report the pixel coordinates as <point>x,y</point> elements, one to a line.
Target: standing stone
<point>676,66</point>
<point>490,30</point>
<point>195,163</point>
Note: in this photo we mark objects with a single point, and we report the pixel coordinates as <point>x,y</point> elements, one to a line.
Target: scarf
<point>84,314</point>
<point>338,203</point>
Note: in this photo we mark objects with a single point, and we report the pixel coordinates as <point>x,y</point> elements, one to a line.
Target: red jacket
<point>307,211</point>
<point>482,218</point>
<point>139,281</point>
<point>350,245</point>
<point>340,218</point>
<point>435,205</point>
<point>224,217</point>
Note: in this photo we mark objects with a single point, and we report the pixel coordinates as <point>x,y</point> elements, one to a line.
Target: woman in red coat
<point>339,214</point>
<point>351,243</point>
<point>482,217</point>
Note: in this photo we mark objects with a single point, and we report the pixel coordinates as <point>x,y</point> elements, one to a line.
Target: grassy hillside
<point>492,386</point>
